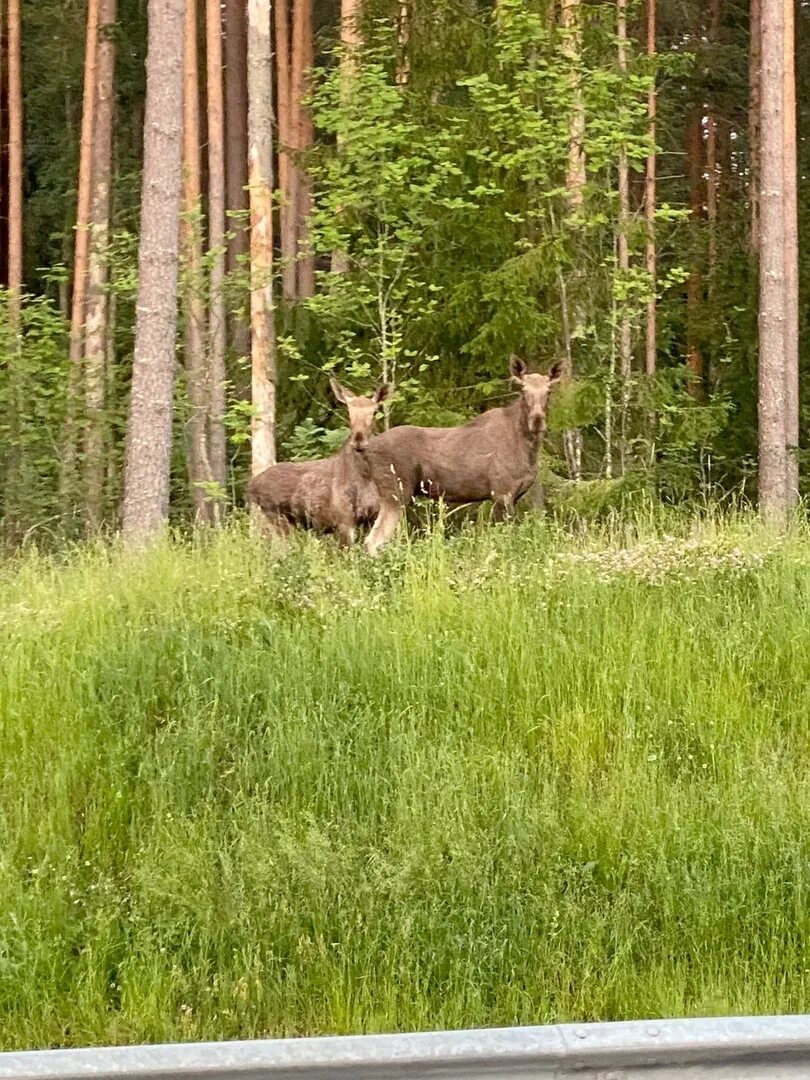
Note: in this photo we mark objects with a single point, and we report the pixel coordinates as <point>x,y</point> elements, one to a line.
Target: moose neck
<point>351,461</point>
<point>518,413</point>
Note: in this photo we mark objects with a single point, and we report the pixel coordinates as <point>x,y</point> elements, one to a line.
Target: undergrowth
<point>518,775</point>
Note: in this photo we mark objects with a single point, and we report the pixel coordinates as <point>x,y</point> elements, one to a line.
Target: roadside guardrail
<point>737,1048</point>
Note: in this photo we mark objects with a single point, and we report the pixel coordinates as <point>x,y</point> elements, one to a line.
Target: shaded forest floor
<point>516,776</point>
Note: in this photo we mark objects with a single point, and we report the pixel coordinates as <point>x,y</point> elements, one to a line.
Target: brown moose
<point>333,494</point>
<point>492,457</point>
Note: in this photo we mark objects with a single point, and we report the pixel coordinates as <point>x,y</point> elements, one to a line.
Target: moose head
<point>536,390</point>
<point>361,411</point>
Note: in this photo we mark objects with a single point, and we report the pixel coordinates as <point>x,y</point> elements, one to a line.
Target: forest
<point>514,772</point>
<point>407,192</point>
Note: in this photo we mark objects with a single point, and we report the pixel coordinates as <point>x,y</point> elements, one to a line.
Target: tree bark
<point>81,250</point>
<point>623,254</point>
<point>649,201</point>
<point>260,142</point>
<point>772,285</point>
<point>694,285</point>
<point>97,293</point>
<point>194,314</point>
<point>571,16</point>
<point>572,47</point>
<point>791,250</point>
<point>712,178</point>
<point>302,61</point>
<point>149,433</point>
<point>754,107</point>
<point>403,37</point>
<point>351,40</point>
<point>236,153</point>
<point>218,326</point>
<point>82,245</point>
<point>288,174</point>
<point>15,164</point>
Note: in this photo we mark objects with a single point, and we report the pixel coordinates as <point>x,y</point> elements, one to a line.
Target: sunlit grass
<point>516,776</point>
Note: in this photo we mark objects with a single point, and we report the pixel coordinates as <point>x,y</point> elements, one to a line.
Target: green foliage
<point>298,793</point>
<point>33,404</point>
<point>382,196</point>
<point>440,171</point>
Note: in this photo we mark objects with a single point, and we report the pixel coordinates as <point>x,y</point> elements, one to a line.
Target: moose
<point>493,456</point>
<point>334,494</point>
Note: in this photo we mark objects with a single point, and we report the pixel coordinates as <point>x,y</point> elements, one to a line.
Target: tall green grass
<point>512,777</point>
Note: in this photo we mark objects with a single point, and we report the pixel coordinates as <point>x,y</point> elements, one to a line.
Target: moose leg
<point>503,507</point>
<point>270,527</point>
<point>346,535</point>
<point>385,526</point>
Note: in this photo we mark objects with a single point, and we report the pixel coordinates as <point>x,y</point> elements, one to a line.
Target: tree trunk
<point>302,61</point>
<point>711,196</point>
<point>772,284</point>
<point>711,165</point>
<point>15,164</point>
<point>403,37</point>
<point>288,174</point>
<point>236,158</point>
<point>571,14</point>
<point>260,141</point>
<point>754,107</point>
<point>649,200</point>
<point>81,252</point>
<point>351,40</point>
<point>218,326</point>
<point>572,46</point>
<point>149,433</point>
<point>791,250</point>
<point>194,315</point>
<point>623,253</point>
<point>694,285</point>
<point>95,349</point>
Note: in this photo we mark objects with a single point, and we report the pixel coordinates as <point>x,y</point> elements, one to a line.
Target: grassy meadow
<point>521,775</point>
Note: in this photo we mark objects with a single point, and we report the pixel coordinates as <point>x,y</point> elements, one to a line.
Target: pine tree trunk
<point>13,493</point>
<point>351,40</point>
<point>15,164</point>
<point>772,284</point>
<point>149,433</point>
<point>623,254</point>
<point>571,15</point>
<point>218,326</point>
<point>97,294</point>
<point>694,285</point>
<point>288,174</point>
<point>194,313</point>
<point>649,200</point>
<point>260,142</point>
<point>236,153</point>
<point>302,61</point>
<point>754,107</point>
<point>791,261</point>
<point>80,254</point>
<point>711,197</point>
<point>711,166</point>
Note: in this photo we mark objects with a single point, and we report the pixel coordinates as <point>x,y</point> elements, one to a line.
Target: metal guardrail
<point>743,1048</point>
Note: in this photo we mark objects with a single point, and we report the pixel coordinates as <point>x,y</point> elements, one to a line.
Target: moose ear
<point>340,392</point>
<point>383,393</point>
<point>555,372</point>
<point>517,367</point>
